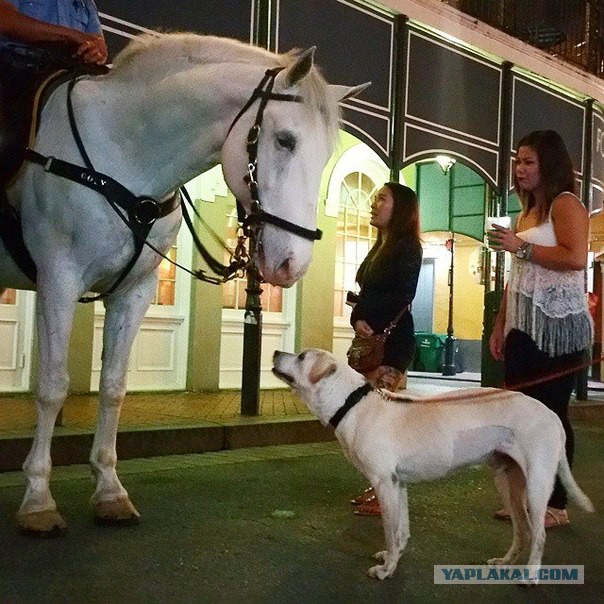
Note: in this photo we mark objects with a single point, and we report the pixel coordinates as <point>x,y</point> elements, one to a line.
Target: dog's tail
<point>571,486</point>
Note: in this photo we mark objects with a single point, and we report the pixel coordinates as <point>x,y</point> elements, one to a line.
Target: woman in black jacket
<point>388,280</point>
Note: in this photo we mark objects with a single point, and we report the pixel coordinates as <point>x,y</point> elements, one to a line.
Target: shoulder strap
<point>396,319</point>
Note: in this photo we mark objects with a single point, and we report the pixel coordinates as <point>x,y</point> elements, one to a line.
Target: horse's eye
<point>286,140</point>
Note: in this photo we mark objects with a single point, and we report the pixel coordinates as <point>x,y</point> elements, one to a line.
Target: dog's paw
<point>380,556</point>
<point>496,561</point>
<point>381,571</point>
<point>532,582</point>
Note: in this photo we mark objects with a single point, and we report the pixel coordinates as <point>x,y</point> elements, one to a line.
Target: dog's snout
<point>276,355</point>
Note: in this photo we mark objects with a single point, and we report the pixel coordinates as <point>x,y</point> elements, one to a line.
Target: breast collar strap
<point>353,398</point>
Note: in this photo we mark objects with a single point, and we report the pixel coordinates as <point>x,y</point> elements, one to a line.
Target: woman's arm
<point>91,48</point>
<point>571,225</point>
<point>496,341</point>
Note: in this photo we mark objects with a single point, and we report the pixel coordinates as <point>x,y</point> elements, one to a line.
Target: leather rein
<point>140,213</point>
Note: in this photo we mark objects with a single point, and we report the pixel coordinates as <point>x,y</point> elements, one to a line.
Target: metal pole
<point>252,341</point>
<point>582,387</point>
<point>449,361</point>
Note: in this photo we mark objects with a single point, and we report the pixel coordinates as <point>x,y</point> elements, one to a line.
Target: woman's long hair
<point>404,224</point>
<point>555,167</point>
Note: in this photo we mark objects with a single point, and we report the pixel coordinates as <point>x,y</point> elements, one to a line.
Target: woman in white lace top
<point>544,326</point>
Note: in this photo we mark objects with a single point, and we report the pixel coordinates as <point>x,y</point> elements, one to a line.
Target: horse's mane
<point>184,49</point>
<point>160,55</point>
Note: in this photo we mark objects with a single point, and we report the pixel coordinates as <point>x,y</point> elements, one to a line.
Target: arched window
<point>356,178</point>
<point>354,235</point>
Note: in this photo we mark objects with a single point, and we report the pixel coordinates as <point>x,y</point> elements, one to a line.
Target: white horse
<point>166,112</point>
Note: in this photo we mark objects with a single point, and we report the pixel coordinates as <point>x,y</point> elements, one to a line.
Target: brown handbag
<point>366,354</point>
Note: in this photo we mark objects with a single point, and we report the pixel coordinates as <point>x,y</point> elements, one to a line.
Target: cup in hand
<point>502,221</point>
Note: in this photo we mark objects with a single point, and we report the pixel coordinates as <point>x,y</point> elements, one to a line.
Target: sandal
<point>555,517</point>
<point>371,508</point>
<point>502,514</point>
<point>367,496</point>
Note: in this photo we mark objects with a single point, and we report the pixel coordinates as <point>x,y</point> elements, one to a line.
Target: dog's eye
<point>301,356</point>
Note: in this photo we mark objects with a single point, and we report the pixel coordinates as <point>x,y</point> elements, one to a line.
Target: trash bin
<point>428,352</point>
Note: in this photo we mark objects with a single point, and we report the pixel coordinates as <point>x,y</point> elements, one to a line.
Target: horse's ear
<point>300,68</point>
<point>341,93</point>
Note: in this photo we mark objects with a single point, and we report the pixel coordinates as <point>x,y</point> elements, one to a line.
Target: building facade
<point>450,96</point>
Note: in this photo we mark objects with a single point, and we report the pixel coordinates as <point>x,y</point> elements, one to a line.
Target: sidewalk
<point>164,423</point>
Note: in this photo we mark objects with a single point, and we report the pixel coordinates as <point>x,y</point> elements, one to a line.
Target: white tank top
<point>550,306</point>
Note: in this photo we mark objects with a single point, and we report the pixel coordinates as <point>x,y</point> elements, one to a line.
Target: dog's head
<point>320,379</point>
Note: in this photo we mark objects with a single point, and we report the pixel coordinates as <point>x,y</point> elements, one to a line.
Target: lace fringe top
<point>550,306</point>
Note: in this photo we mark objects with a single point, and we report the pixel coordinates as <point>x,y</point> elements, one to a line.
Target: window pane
<point>229,294</point>
<point>166,286</point>
<point>9,297</point>
<point>241,293</point>
<point>338,303</point>
<point>233,292</point>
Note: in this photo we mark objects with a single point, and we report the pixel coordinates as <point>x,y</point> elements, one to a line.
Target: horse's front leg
<point>125,312</point>
<point>56,302</point>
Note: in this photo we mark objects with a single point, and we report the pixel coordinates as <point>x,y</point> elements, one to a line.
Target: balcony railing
<point>572,30</point>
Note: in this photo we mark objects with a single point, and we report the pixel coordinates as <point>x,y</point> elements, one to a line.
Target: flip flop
<point>366,496</point>
<point>369,509</point>
<point>555,517</point>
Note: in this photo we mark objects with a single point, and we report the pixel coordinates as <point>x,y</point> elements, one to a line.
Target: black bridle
<point>257,216</point>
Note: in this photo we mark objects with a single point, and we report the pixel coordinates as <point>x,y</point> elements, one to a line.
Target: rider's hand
<point>91,49</point>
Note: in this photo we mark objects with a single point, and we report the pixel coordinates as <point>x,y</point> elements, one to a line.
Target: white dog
<point>395,439</point>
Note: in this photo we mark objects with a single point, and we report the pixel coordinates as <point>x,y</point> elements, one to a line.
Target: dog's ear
<point>322,368</point>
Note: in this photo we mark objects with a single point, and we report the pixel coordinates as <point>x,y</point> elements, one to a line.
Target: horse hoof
<point>116,513</point>
<point>47,524</point>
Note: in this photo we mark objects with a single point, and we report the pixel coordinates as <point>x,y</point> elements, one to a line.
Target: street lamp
<point>445,162</point>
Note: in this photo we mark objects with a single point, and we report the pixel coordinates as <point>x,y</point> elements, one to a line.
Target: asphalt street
<point>273,525</point>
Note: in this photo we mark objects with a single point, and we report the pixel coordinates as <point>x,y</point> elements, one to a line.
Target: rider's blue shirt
<point>76,14</point>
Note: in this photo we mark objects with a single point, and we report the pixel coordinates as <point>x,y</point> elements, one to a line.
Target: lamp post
<point>449,360</point>
<point>252,341</point>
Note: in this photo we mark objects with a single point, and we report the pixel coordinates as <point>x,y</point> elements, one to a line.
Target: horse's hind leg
<point>125,311</point>
<point>55,309</point>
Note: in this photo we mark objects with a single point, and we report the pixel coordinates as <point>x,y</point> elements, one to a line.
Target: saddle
<point>28,76</point>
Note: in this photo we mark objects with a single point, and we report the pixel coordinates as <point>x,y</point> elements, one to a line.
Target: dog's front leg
<point>395,518</point>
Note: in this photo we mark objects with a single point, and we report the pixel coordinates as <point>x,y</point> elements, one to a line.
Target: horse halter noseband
<point>257,216</point>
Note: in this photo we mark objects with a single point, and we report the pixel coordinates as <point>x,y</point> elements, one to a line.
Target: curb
<point>68,449</point>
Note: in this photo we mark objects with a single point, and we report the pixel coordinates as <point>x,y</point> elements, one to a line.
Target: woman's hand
<point>496,342</point>
<point>503,240</point>
<point>363,329</point>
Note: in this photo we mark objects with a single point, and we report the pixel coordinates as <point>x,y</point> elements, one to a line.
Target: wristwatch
<point>525,251</point>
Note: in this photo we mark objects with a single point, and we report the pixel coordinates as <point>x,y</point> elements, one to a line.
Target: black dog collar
<point>353,398</point>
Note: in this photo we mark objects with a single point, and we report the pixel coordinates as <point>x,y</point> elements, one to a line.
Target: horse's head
<point>298,128</point>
